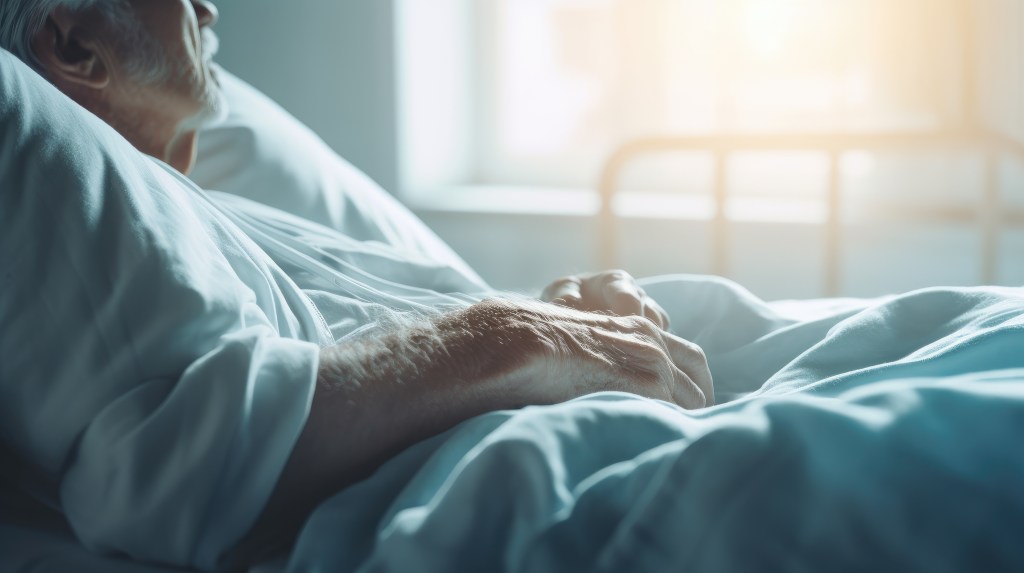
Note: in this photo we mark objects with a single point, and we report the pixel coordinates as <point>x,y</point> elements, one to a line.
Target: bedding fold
<point>157,366</point>
<point>904,455</point>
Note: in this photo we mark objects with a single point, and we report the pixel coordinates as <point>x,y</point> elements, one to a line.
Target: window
<point>540,92</point>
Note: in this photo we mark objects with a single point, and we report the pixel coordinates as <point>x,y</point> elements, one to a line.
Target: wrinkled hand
<point>610,291</point>
<point>563,353</point>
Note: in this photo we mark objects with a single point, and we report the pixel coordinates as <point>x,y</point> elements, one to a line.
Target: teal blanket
<point>863,435</point>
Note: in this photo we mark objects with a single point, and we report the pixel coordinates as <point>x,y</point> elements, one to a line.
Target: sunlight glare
<point>545,99</point>
<point>768,23</point>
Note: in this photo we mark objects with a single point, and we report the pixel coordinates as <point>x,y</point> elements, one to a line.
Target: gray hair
<point>21,20</point>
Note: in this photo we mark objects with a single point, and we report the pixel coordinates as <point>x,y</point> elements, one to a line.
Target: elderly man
<point>143,66</point>
<point>185,374</point>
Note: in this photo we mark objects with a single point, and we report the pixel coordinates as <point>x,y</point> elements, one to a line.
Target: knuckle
<point>640,324</point>
<point>568,301</point>
<point>561,284</point>
<point>609,278</point>
<point>693,349</point>
<point>621,296</point>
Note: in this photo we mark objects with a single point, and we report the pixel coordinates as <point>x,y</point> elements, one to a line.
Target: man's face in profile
<point>166,59</point>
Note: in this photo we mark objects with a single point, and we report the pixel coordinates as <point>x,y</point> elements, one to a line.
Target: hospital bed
<point>991,216</point>
<point>862,433</point>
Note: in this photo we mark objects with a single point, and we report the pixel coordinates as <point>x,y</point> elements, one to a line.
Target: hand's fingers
<point>690,358</point>
<point>651,306</point>
<point>652,310</point>
<point>688,383</point>
<point>652,314</point>
<point>625,297</point>
<point>564,291</point>
<point>546,295</point>
<point>622,296</point>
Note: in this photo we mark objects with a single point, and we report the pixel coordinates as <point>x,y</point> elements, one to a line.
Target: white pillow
<point>154,364</point>
<point>263,153</point>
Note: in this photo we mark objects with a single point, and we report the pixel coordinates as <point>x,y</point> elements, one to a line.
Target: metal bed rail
<point>990,216</point>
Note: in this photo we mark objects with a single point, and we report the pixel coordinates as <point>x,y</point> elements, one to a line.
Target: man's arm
<point>378,396</point>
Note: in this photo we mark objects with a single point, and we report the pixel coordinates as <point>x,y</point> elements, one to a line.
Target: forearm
<point>378,395</point>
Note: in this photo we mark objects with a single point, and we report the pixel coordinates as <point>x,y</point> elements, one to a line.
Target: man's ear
<point>69,51</point>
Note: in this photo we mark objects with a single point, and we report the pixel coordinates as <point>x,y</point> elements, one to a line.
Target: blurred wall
<point>1000,65</point>
<point>330,63</point>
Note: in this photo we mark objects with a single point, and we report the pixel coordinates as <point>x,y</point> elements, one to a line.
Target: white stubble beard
<point>214,106</point>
